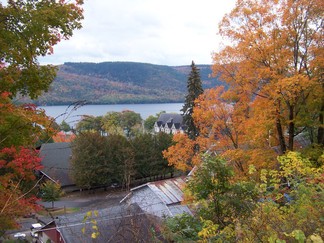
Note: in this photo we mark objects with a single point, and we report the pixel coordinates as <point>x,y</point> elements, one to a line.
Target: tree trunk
<point>281,136</point>
<point>320,131</point>
<point>291,128</point>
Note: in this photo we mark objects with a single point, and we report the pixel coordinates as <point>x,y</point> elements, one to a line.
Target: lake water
<point>73,114</point>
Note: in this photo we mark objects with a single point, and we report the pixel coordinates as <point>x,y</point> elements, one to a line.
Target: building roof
<point>56,162</point>
<point>169,118</point>
<point>120,223</point>
<point>169,190</point>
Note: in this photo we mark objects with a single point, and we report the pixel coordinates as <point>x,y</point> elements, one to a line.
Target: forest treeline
<point>121,82</point>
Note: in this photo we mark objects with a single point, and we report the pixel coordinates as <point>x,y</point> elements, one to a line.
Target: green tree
<point>131,122</point>
<point>126,123</point>
<point>162,141</point>
<point>149,161</point>
<point>182,228</point>
<point>120,157</point>
<point>112,124</point>
<point>220,199</point>
<point>195,89</point>
<point>145,158</point>
<point>64,126</point>
<point>89,161</point>
<point>29,29</point>
<point>90,123</point>
<point>51,192</point>
<point>149,123</point>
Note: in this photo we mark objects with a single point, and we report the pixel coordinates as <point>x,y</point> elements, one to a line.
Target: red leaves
<point>17,180</point>
<point>20,163</point>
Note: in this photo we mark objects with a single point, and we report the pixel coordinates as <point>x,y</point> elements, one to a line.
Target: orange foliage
<point>62,137</point>
<point>274,69</point>
<point>275,55</point>
<point>182,154</point>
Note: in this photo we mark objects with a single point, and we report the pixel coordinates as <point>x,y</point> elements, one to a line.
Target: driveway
<point>85,199</point>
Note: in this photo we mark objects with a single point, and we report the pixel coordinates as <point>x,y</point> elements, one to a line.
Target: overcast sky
<point>166,32</point>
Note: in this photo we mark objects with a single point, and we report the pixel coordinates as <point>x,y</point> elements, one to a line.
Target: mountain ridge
<point>121,83</point>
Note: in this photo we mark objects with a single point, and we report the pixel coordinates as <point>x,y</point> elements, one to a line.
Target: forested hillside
<point>121,82</point>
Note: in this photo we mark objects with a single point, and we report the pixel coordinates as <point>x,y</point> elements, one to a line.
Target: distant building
<point>57,165</point>
<point>169,123</point>
<point>159,198</point>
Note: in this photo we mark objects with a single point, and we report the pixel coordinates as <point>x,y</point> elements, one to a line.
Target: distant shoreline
<point>73,113</point>
<point>90,103</point>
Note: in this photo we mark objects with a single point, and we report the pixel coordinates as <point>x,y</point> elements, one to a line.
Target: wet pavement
<point>82,201</point>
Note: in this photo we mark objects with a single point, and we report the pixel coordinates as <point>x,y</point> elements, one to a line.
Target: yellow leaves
<point>89,219</point>
<point>252,169</point>
<point>89,214</point>
<point>291,88</point>
<point>94,235</point>
<point>208,231</point>
<point>316,238</point>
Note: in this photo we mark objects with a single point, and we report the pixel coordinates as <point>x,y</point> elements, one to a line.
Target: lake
<point>73,114</point>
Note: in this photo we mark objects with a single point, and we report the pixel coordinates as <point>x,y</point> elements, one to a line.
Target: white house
<point>169,123</point>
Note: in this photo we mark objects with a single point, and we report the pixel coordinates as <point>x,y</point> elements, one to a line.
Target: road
<point>84,201</point>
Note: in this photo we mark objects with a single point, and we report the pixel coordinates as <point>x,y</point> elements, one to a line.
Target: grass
<point>58,211</point>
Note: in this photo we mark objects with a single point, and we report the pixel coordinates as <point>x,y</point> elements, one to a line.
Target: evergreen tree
<point>195,89</point>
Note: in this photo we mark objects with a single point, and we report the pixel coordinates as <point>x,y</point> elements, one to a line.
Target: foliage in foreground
<point>28,29</point>
<point>285,206</point>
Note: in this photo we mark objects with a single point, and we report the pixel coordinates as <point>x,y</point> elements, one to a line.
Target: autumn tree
<point>22,125</point>
<point>194,88</point>
<point>17,180</point>
<point>248,211</point>
<point>274,65</point>
<point>28,30</point>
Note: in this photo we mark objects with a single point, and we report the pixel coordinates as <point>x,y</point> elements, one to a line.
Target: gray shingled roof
<point>167,117</point>
<point>120,223</point>
<point>56,162</point>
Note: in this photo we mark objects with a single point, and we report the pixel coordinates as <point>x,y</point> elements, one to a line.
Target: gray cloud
<point>169,32</point>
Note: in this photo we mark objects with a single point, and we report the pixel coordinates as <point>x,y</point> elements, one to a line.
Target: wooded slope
<point>121,82</point>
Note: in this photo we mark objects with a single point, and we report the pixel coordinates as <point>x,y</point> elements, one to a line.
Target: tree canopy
<point>274,66</point>
<point>101,160</point>
<point>248,183</point>
<point>28,29</point>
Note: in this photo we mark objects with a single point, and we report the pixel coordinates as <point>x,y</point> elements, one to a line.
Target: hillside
<point>121,82</point>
